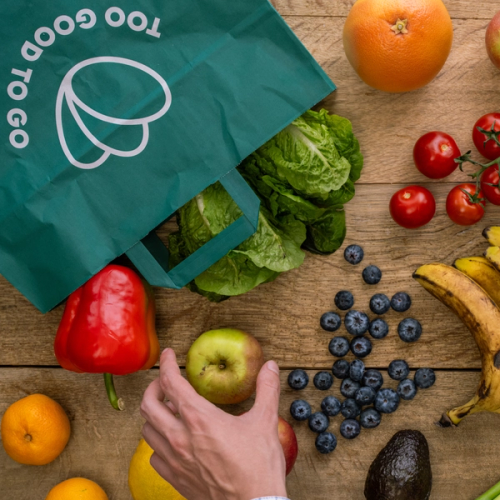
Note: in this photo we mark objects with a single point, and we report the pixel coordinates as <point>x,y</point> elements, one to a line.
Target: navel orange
<point>77,488</point>
<point>398,45</point>
<point>35,430</point>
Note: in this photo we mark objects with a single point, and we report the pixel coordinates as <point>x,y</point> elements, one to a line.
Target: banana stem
<point>116,403</point>
<point>492,494</point>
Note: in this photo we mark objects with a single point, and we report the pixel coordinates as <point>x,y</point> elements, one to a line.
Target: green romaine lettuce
<point>303,177</point>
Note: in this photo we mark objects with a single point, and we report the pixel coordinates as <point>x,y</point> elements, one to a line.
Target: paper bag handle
<point>150,255</point>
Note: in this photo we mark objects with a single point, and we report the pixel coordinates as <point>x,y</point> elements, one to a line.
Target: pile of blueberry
<point>365,396</point>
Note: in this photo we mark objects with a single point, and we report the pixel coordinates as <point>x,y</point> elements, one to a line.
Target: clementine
<point>398,45</point>
<point>77,488</point>
<point>35,430</point>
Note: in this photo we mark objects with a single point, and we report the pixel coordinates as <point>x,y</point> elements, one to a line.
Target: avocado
<point>402,470</point>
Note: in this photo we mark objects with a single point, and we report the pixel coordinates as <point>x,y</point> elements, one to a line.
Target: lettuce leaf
<point>272,249</point>
<point>303,177</point>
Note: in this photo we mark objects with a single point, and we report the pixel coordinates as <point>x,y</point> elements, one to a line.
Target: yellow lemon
<point>77,488</point>
<point>144,482</point>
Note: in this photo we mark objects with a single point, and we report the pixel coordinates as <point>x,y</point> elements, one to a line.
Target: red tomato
<point>412,207</point>
<point>461,210</point>
<point>491,176</point>
<point>491,149</point>
<point>434,155</point>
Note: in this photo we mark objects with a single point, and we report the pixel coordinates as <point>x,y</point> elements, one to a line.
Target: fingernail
<point>165,350</point>
<point>273,367</point>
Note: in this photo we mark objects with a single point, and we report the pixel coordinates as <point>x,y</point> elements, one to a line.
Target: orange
<point>77,488</point>
<point>35,430</point>
<point>398,45</point>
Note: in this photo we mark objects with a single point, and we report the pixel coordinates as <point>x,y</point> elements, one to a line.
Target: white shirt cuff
<point>271,498</point>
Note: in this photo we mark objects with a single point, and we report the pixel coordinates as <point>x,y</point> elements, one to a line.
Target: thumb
<point>268,391</point>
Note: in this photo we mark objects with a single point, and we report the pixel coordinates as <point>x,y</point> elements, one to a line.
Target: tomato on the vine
<point>463,206</point>
<point>485,141</point>
<point>490,184</point>
<point>434,155</point>
<point>412,207</point>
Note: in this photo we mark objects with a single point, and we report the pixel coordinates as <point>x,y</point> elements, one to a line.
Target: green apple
<point>222,365</point>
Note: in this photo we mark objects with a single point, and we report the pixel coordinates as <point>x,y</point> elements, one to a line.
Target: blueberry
<point>398,369</point>
<point>372,275</point>
<point>424,378</point>
<point>365,396</point>
<point>357,370</point>
<point>350,428</point>
<point>356,322</point>
<point>374,379</point>
<point>344,300</point>
<point>354,254</point>
<point>387,401</point>
<point>330,406</point>
<point>341,368</point>
<point>350,408</point>
<point>401,302</point>
<point>379,303</point>
<point>300,410</point>
<point>409,330</point>
<point>348,388</point>
<point>407,389</point>
<point>370,418</point>
<point>361,347</point>
<point>298,379</point>
<point>378,328</point>
<point>339,346</point>
<point>330,321</point>
<point>326,442</point>
<point>323,381</point>
<point>318,422</point>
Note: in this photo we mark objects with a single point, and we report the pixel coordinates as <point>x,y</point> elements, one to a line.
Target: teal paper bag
<point>118,113</point>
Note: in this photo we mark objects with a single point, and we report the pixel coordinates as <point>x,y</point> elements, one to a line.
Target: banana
<point>480,314</point>
<point>493,255</point>
<point>482,271</point>
<point>492,234</point>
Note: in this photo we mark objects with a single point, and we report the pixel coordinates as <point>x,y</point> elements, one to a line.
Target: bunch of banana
<point>492,234</point>
<point>471,290</point>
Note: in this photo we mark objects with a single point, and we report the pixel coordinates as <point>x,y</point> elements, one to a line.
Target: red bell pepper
<point>108,326</point>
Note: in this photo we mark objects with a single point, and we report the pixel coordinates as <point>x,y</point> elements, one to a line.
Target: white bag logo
<point>67,95</point>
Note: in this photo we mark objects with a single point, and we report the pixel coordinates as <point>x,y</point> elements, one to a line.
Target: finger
<point>180,392</point>
<point>160,466</point>
<point>171,407</point>
<point>158,442</point>
<point>153,409</point>
<point>268,391</point>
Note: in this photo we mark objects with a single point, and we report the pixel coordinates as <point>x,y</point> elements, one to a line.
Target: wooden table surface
<point>284,315</point>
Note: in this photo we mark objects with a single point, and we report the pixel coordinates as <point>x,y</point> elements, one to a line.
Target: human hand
<point>206,453</point>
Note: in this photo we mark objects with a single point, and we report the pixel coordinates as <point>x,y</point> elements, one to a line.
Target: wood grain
<point>284,315</point>
<point>104,440</point>
<point>388,125</point>
<point>458,9</point>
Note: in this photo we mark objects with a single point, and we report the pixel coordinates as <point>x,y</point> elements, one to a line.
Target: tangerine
<point>77,488</point>
<point>35,430</point>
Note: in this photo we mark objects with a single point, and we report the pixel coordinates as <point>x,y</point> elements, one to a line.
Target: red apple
<point>222,365</point>
<point>288,441</point>
<point>493,40</point>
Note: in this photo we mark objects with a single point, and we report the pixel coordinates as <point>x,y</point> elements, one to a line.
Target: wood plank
<point>103,440</point>
<point>284,315</point>
<point>388,125</point>
<point>458,9</point>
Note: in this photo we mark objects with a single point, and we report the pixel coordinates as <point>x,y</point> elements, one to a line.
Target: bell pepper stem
<point>491,494</point>
<point>116,403</point>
